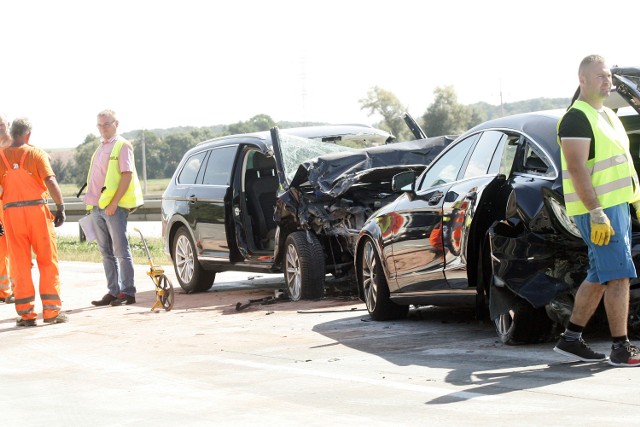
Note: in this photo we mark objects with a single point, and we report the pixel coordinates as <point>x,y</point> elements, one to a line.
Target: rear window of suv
<point>217,172</point>
<point>219,166</point>
<point>191,167</point>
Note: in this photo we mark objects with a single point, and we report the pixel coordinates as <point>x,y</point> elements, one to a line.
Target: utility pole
<point>501,107</point>
<point>144,166</point>
<point>303,89</point>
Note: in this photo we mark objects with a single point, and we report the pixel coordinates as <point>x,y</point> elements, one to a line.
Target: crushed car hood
<point>333,174</point>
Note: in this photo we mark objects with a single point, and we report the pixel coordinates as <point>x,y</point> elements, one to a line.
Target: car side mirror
<point>404,181</point>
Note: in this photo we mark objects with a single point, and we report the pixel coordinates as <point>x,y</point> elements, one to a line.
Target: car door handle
<point>435,199</point>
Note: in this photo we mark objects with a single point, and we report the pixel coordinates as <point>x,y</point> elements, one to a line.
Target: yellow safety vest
<point>613,175</point>
<point>132,198</point>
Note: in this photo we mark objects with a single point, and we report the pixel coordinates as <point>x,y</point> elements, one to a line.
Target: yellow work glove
<point>636,206</point>
<point>601,230</point>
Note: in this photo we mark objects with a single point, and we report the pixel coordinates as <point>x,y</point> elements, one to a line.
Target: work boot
<point>60,318</point>
<point>106,300</point>
<point>124,299</point>
<point>25,322</point>
<point>8,300</point>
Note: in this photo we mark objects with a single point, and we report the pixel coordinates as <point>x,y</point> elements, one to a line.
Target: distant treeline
<point>164,148</point>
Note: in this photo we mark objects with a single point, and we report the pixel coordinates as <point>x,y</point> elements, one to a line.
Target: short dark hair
<point>588,60</point>
<point>20,126</point>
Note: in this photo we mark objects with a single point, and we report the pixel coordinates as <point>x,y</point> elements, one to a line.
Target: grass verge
<point>154,187</point>
<point>72,249</point>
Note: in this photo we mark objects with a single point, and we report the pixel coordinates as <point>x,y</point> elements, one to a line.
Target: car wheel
<point>190,274</point>
<point>375,288</point>
<point>304,269</point>
<point>523,324</point>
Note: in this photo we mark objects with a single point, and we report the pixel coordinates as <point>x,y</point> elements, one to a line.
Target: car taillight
<point>560,213</point>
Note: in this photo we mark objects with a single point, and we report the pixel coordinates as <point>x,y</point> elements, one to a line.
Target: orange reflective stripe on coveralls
<point>5,279</point>
<point>30,227</point>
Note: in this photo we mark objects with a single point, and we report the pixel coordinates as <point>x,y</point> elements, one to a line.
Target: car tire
<point>304,268</point>
<point>375,288</point>
<point>190,274</point>
<point>523,324</point>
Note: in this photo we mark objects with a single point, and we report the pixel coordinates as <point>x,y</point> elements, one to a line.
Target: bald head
<point>587,61</point>
<point>595,80</point>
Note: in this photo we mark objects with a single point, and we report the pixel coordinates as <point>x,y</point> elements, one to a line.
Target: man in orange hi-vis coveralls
<point>6,291</point>
<point>27,181</point>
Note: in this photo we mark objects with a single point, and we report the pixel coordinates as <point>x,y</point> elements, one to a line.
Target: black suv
<point>290,200</point>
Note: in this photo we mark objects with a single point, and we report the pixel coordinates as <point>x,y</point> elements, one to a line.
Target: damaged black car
<point>288,200</point>
<point>485,225</point>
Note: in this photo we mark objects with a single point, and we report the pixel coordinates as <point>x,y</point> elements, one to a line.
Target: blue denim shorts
<point>612,261</point>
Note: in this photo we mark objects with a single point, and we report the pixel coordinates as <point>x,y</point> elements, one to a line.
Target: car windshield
<point>297,150</point>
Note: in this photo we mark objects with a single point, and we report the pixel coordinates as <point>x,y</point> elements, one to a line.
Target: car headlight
<point>560,213</point>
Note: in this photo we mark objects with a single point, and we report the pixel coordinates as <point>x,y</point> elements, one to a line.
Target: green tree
<point>61,169</point>
<point>203,134</point>
<point>176,145</point>
<point>155,155</point>
<point>261,122</point>
<point>256,123</point>
<point>237,128</point>
<point>387,105</point>
<point>446,116</point>
<point>82,159</point>
<point>477,116</point>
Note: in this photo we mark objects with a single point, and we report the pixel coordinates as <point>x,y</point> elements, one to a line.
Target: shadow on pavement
<point>467,348</point>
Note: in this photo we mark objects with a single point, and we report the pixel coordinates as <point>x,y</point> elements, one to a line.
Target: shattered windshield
<point>296,150</point>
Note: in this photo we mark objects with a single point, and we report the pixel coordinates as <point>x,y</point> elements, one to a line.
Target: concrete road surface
<point>319,363</point>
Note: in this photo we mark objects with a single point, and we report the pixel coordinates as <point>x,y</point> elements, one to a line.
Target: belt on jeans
<point>25,203</point>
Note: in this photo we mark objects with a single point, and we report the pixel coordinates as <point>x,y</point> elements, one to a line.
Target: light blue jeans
<point>111,234</point>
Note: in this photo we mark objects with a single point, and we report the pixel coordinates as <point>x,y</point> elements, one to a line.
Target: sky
<point>162,64</point>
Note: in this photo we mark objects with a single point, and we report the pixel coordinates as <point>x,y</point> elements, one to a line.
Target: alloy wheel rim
<point>293,273</point>
<point>184,259</point>
<point>504,323</point>
<point>369,279</point>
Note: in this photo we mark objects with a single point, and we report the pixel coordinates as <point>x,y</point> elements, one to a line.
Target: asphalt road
<point>316,363</point>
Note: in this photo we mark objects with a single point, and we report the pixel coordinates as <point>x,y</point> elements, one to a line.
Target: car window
<point>535,161</point>
<point>296,150</point>
<point>483,153</point>
<point>219,165</point>
<point>191,167</point>
<point>447,167</point>
<point>502,161</point>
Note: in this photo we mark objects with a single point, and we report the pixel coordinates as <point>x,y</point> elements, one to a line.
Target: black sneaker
<point>25,322</point>
<point>60,318</point>
<point>626,355</point>
<point>106,300</point>
<point>578,350</point>
<point>124,299</point>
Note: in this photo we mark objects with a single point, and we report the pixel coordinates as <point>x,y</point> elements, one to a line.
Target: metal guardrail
<point>75,209</point>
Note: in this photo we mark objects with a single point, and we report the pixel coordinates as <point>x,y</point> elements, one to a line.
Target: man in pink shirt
<point>113,190</point>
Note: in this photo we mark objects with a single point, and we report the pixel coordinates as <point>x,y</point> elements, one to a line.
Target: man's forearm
<point>54,190</point>
<point>584,188</point>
